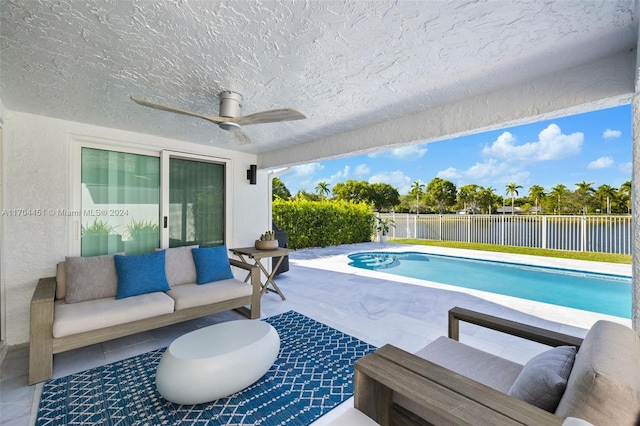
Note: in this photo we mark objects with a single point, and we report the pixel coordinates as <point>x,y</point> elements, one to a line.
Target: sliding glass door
<point>121,202</point>
<point>196,203</point>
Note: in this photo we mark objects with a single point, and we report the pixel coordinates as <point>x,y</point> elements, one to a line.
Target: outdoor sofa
<point>95,299</point>
<point>448,382</point>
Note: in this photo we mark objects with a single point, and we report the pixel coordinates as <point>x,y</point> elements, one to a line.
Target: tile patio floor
<point>376,307</point>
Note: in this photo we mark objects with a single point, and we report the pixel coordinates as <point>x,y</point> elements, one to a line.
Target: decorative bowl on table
<point>266,244</point>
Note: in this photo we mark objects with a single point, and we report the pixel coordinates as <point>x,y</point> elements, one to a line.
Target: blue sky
<point>593,147</point>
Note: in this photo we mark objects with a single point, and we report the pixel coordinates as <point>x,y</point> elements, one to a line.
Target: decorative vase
<point>266,244</point>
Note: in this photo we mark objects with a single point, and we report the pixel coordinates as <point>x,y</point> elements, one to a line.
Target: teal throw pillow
<point>212,264</point>
<point>140,274</point>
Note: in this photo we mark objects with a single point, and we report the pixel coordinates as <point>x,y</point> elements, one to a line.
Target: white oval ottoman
<point>216,361</point>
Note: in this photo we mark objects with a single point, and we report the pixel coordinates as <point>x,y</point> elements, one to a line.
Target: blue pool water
<point>602,293</point>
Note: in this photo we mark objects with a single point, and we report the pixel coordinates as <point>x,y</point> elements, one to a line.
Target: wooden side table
<point>251,253</point>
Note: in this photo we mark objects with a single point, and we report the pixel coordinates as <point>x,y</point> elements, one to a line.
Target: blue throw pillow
<point>140,274</point>
<point>212,264</point>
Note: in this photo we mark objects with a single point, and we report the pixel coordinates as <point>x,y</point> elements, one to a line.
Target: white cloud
<point>611,134</point>
<point>487,169</point>
<point>450,173</point>
<point>396,179</point>
<point>492,171</point>
<point>361,170</point>
<point>307,169</point>
<point>340,175</point>
<point>601,163</point>
<point>552,144</point>
<point>413,152</point>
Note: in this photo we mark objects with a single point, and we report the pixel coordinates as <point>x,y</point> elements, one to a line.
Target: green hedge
<point>323,223</point>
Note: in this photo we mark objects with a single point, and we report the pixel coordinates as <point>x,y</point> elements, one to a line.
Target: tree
<point>469,196</point>
<point>624,193</point>
<point>443,192</point>
<point>536,192</point>
<point>558,191</point>
<point>606,193</point>
<point>584,192</point>
<point>304,195</point>
<point>352,190</point>
<point>487,198</point>
<point>416,190</point>
<point>383,196</point>
<point>322,188</point>
<point>379,195</point>
<point>279,190</point>
<point>512,190</point>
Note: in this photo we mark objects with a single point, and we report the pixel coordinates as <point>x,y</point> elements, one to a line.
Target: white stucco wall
<point>36,173</point>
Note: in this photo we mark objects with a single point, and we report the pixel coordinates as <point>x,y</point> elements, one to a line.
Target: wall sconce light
<point>252,174</point>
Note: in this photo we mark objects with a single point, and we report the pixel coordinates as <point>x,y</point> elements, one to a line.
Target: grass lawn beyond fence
<point>579,255</point>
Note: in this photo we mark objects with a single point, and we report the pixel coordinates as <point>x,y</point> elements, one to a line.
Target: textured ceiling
<point>346,64</point>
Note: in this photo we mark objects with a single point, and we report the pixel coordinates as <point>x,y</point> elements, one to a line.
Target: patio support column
<point>635,212</point>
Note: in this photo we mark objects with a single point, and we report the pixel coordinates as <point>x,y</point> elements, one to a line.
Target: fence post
<point>415,226</point>
<point>407,221</point>
<point>468,228</point>
<point>393,218</point>
<point>440,227</point>
<point>502,229</point>
<point>544,232</point>
<point>583,233</point>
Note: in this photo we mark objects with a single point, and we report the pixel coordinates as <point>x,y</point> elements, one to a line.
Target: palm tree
<point>585,190</point>
<point>557,191</point>
<point>322,188</point>
<point>625,191</point>
<point>417,187</point>
<point>512,189</point>
<point>536,192</point>
<point>487,197</point>
<point>606,192</point>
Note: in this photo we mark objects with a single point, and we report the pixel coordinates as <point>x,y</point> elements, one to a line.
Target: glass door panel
<point>120,202</point>
<point>196,203</point>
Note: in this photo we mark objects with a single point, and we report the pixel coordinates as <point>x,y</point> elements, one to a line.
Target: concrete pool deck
<point>336,259</point>
<point>373,306</point>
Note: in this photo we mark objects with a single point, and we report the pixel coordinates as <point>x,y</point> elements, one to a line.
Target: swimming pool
<point>602,293</point>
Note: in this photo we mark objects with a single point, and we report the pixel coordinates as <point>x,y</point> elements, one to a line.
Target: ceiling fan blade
<point>240,138</point>
<point>270,116</point>
<point>213,119</point>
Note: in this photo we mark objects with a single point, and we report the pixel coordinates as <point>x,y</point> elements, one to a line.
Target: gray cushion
<point>61,281</point>
<point>90,278</point>
<point>544,378</point>
<point>179,266</point>
<point>604,386</point>
<point>488,369</point>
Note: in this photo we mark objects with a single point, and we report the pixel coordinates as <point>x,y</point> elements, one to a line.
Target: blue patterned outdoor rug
<point>312,375</point>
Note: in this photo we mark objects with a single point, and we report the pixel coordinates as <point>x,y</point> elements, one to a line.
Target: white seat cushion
<point>190,295</point>
<point>100,313</point>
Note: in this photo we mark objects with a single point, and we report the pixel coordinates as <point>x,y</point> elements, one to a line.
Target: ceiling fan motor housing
<point>230,107</point>
<point>230,104</point>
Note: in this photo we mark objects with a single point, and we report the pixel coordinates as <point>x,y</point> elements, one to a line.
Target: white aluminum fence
<point>605,234</point>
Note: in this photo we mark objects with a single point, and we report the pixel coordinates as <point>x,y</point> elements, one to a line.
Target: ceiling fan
<point>230,114</point>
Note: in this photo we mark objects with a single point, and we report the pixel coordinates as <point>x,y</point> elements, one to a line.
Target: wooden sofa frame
<point>448,395</point>
<point>42,344</point>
